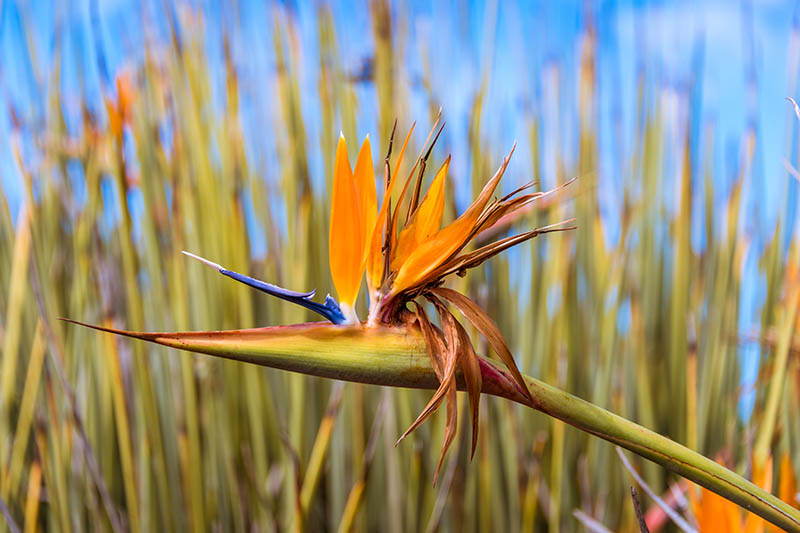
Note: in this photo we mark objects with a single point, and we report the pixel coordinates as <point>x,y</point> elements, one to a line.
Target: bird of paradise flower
<point>405,264</point>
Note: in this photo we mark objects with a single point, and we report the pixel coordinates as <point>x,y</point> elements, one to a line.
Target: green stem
<point>397,357</point>
<point>766,433</point>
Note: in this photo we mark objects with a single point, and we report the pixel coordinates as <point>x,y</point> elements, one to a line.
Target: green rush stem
<point>397,357</point>
<point>776,386</point>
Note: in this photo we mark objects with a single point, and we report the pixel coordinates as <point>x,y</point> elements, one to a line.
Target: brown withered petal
<point>472,379</point>
<point>450,426</point>
<point>488,329</point>
<point>497,210</point>
<point>451,361</point>
<point>436,350</point>
<point>508,204</point>
<point>443,348</point>
<point>477,257</point>
<point>449,348</point>
<point>519,190</point>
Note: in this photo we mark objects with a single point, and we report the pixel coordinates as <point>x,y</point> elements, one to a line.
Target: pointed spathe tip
<point>203,260</point>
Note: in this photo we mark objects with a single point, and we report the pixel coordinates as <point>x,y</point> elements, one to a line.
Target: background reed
<point>629,312</point>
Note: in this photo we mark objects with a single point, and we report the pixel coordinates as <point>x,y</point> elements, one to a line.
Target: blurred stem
<point>124,437</point>
<point>317,459</point>
<point>10,482</point>
<point>397,357</point>
<point>764,439</point>
<point>14,315</point>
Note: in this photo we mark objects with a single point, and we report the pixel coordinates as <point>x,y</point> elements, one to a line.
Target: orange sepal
<point>364,178</point>
<point>787,485</point>
<point>426,220</point>
<point>346,236</point>
<point>715,513</point>
<point>762,476</point>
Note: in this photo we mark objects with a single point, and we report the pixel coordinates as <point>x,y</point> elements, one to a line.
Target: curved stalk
<point>397,357</point>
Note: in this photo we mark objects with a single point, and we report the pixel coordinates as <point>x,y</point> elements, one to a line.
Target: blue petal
<point>330,309</point>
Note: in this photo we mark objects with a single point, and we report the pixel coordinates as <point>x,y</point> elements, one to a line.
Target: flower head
<point>119,108</point>
<point>407,264</point>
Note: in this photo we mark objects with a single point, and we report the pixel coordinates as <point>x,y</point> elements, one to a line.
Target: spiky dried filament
<point>395,218</point>
<point>378,248</point>
<point>446,242</point>
<point>460,264</point>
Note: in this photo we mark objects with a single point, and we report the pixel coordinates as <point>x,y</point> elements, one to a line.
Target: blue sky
<point>531,40</point>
